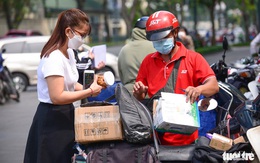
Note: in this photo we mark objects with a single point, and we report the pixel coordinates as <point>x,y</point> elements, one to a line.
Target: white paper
<point>100,54</point>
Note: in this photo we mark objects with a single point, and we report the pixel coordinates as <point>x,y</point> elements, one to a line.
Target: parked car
<point>21,33</point>
<point>22,57</point>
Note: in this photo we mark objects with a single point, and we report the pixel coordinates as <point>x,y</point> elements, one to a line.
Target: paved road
<point>16,118</point>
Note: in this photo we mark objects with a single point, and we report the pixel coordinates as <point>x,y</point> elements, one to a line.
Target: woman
<point>51,136</point>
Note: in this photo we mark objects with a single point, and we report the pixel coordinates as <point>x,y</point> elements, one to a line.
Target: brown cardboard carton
<point>240,139</point>
<point>97,123</point>
<point>220,142</point>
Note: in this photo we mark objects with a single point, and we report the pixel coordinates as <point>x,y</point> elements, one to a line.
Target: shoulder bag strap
<point>170,85</point>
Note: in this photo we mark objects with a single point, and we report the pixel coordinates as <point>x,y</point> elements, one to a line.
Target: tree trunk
<point>80,4</point>
<point>108,37</point>
<point>246,20</point>
<point>7,11</point>
<point>128,16</point>
<point>195,19</point>
<point>212,18</point>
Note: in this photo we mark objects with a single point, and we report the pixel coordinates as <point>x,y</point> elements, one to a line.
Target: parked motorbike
<point>254,89</point>
<point>7,85</point>
<point>243,71</point>
<point>226,89</point>
<point>236,114</point>
<point>248,117</point>
<point>228,97</point>
<point>241,77</point>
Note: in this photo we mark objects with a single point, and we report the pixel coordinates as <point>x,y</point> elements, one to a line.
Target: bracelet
<point>91,91</point>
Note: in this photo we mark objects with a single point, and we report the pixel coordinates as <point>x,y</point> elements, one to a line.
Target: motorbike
<point>7,86</point>
<point>240,77</point>
<point>237,115</point>
<point>243,71</point>
<point>229,96</point>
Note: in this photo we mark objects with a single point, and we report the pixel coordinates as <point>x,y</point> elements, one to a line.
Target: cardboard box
<point>97,123</point>
<point>173,114</point>
<point>240,139</point>
<point>220,142</point>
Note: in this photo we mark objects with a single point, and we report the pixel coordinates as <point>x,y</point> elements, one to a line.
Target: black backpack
<point>136,124</point>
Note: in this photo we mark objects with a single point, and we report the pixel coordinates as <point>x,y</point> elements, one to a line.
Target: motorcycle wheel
<point>2,97</point>
<point>18,96</point>
<point>6,92</point>
<point>21,82</point>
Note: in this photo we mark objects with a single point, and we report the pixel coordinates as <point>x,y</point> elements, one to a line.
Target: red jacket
<point>194,70</point>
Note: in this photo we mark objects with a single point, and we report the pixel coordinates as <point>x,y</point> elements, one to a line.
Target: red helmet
<point>160,24</point>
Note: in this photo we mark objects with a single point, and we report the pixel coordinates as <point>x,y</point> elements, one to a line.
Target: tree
<point>128,14</point>
<point>246,7</point>
<point>248,15</point>
<point>80,4</point>
<point>211,6</point>
<point>14,11</point>
<point>108,37</point>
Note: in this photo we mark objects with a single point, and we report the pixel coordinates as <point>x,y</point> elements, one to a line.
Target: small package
<point>220,142</point>
<point>173,114</point>
<point>97,123</point>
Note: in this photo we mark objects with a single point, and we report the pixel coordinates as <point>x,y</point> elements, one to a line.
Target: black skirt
<point>51,136</point>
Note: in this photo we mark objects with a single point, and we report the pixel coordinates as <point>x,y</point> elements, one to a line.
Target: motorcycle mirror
<point>207,104</point>
<point>225,43</point>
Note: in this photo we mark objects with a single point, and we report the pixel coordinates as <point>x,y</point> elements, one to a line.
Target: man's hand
<point>192,94</point>
<point>140,90</point>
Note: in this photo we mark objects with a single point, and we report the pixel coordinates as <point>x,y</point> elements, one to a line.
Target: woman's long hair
<point>69,18</point>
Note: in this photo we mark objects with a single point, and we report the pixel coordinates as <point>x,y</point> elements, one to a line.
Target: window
<point>16,34</point>
<point>33,47</point>
<point>36,34</point>
<point>13,47</point>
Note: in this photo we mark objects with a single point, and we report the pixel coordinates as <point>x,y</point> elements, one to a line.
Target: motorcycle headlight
<point>245,74</point>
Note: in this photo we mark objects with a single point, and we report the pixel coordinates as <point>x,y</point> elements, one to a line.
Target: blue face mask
<point>164,46</point>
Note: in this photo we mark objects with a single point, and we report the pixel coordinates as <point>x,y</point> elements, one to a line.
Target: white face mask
<point>75,42</point>
<point>164,46</point>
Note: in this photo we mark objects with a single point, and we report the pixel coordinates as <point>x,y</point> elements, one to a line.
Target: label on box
<point>97,123</point>
<point>220,142</point>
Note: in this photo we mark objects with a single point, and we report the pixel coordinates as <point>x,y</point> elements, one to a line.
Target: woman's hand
<point>100,65</point>
<point>91,54</point>
<point>95,88</point>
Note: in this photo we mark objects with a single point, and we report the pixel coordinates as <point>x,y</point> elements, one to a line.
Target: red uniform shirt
<point>194,70</point>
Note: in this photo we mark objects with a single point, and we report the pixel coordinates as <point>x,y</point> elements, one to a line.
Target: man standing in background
<point>132,54</point>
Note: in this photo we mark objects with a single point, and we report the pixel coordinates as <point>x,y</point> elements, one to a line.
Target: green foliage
<point>14,11</point>
<point>218,48</point>
<point>242,44</point>
<point>209,49</point>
